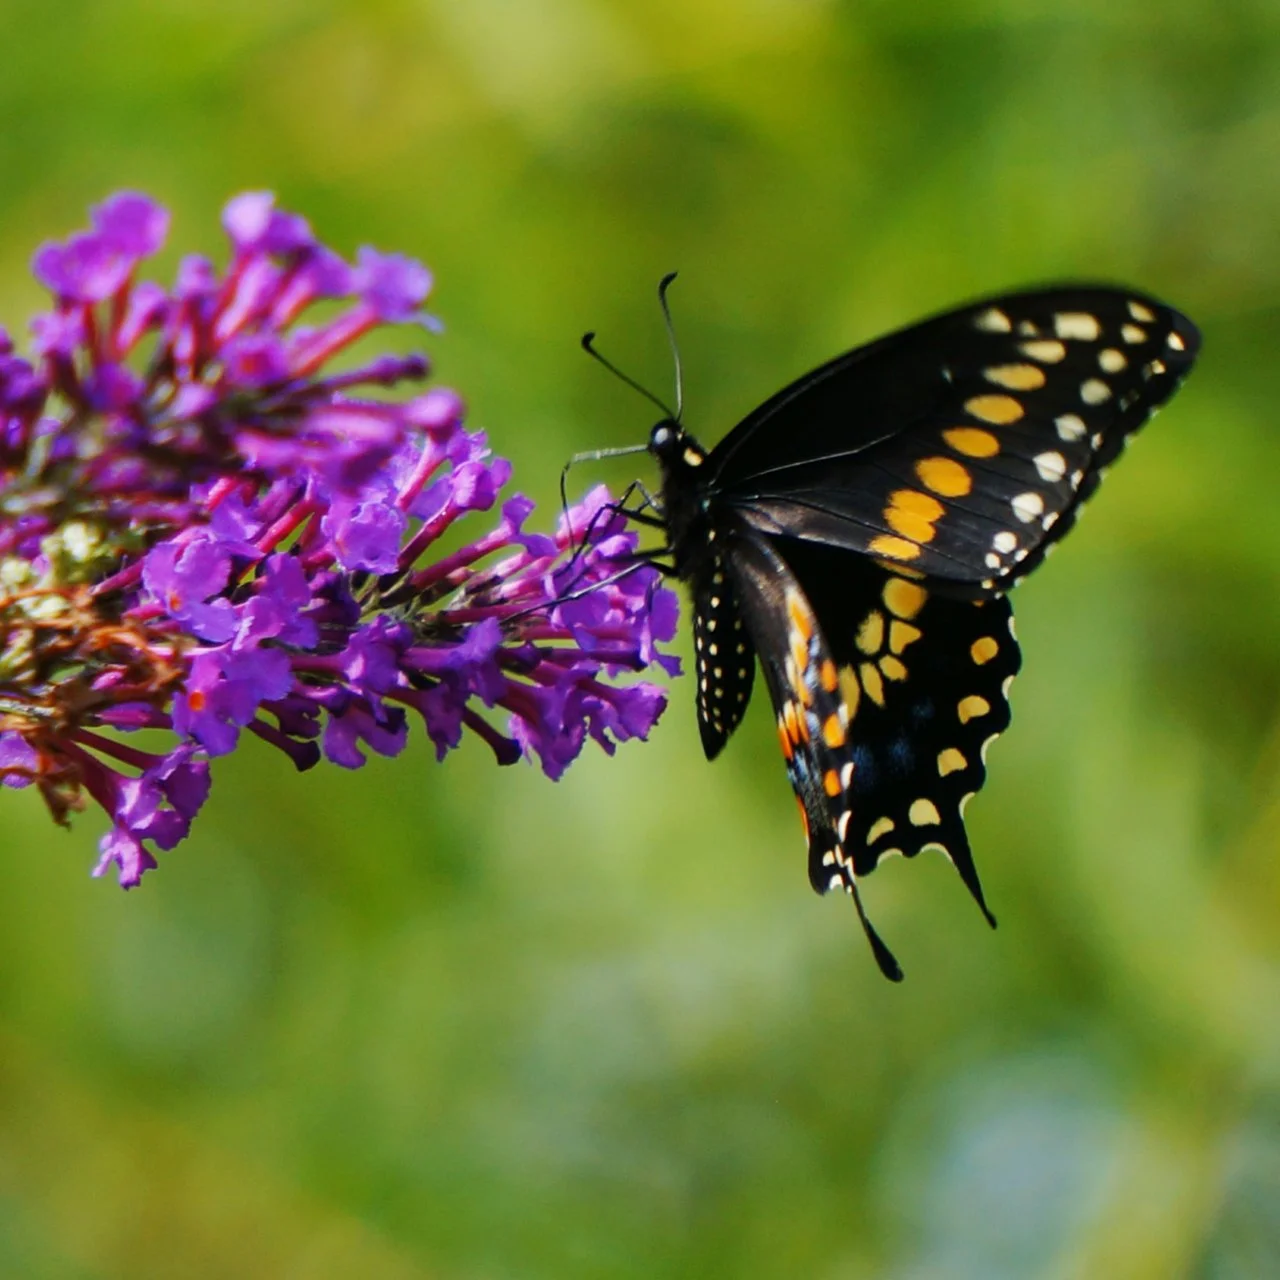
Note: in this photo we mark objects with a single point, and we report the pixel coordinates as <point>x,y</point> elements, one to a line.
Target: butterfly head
<point>674,447</point>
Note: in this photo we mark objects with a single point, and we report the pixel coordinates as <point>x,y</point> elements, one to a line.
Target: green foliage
<point>458,1021</point>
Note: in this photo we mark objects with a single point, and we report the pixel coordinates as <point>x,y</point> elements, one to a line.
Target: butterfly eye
<point>660,437</point>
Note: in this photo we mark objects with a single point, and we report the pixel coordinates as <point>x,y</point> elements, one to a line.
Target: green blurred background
<point>447,1020</point>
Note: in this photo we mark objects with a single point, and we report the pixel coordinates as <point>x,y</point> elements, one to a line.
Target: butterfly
<point>858,535</point>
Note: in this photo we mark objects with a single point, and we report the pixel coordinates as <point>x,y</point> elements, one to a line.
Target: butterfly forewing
<point>962,447</point>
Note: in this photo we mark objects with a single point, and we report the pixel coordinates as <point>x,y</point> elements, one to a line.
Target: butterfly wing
<point>962,447</point>
<point>813,716</point>
<point>887,698</point>
<point>925,680</point>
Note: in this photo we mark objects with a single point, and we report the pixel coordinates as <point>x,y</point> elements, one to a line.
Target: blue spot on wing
<point>864,769</point>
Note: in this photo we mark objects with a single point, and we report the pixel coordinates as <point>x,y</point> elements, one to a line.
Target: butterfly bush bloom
<point>207,529</point>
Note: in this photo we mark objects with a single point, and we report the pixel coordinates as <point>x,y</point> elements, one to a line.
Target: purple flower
<point>208,530</point>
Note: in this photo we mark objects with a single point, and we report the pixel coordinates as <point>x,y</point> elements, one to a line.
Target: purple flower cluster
<point>206,529</point>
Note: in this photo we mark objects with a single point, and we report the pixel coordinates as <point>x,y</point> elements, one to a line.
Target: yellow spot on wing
<point>1139,312</point>
<point>893,548</point>
<point>872,683</point>
<point>902,634</point>
<point>945,475</point>
<point>924,813</point>
<point>893,668</point>
<point>880,827</point>
<point>903,598</point>
<point>983,650</point>
<point>1000,410</point>
<point>972,442</point>
<point>951,761</point>
<point>828,675</point>
<point>1017,377</point>
<point>850,690</point>
<point>799,651</point>
<point>971,707</point>
<point>833,732</point>
<point>871,633</point>
<point>805,694</point>
<point>831,783</point>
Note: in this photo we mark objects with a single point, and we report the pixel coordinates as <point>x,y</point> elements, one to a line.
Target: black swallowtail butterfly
<point>859,531</point>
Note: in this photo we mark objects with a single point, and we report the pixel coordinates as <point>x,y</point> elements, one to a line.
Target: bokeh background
<point>455,1021</point>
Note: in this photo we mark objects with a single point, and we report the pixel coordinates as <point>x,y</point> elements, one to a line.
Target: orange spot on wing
<point>904,599</point>
<point>791,722</point>
<point>973,442</point>
<point>1000,410</point>
<point>983,650</point>
<point>893,548</point>
<point>913,514</point>
<point>945,476</point>
<point>800,614</point>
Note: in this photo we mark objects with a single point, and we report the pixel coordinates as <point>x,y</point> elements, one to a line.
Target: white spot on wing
<point>1026,506</point>
<point>992,320</point>
<point>1052,466</point>
<point>1077,324</point>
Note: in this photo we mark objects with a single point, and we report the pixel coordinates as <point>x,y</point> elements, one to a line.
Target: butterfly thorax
<point>684,503</point>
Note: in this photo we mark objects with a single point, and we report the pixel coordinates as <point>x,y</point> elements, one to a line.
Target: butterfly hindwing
<point>812,716</point>
<point>925,680</point>
<point>963,447</point>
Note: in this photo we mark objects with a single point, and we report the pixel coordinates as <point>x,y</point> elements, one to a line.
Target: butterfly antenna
<point>663,285</point>
<point>587,340</point>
